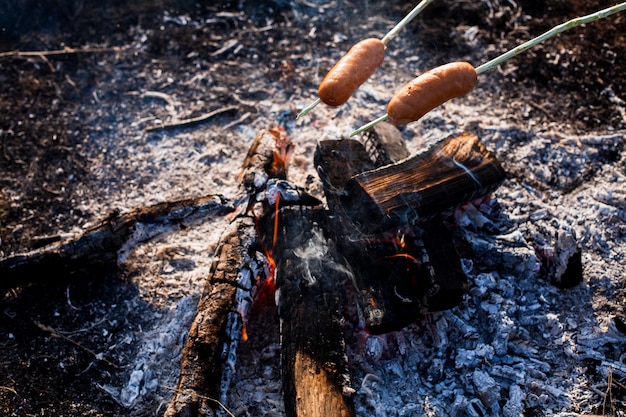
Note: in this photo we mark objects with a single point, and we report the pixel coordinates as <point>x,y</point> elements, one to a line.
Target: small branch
<point>58,335</point>
<point>191,121</point>
<point>397,28</point>
<point>65,51</point>
<point>550,33</point>
<point>8,389</point>
<point>109,241</point>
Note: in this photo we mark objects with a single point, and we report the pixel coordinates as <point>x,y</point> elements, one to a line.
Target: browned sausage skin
<point>352,70</point>
<point>429,90</point>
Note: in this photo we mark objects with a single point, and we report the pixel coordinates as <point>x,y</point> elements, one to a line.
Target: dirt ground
<point>74,146</point>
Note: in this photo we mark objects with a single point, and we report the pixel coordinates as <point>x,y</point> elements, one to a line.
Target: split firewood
<point>409,265</point>
<point>108,241</point>
<point>311,282</point>
<point>457,170</point>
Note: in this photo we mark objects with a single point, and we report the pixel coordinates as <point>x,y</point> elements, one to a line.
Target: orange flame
<point>244,332</point>
<point>275,237</point>
<point>283,152</point>
<point>404,255</point>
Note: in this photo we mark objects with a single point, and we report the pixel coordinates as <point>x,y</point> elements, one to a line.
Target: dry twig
<point>58,335</point>
<point>65,51</point>
<point>191,121</point>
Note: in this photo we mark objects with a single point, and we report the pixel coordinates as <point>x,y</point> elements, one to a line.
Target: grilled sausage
<point>429,90</point>
<point>352,70</point>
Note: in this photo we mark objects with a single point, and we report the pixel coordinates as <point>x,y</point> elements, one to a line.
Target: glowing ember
<point>283,152</point>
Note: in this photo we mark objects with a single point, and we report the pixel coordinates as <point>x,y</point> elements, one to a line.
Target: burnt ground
<point>73,146</point>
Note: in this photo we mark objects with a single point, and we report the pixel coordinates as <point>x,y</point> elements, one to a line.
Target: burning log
<point>389,224</point>
<point>311,284</point>
<point>210,351</point>
<point>457,170</point>
<point>209,354</point>
<point>107,242</point>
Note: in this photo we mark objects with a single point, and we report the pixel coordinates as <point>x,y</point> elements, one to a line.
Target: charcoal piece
<point>573,274</point>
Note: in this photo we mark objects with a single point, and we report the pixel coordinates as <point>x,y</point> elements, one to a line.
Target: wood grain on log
<point>311,286</point>
<point>457,170</point>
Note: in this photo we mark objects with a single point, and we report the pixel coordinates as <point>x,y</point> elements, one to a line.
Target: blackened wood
<point>457,170</point>
<point>104,243</point>
<point>209,353</point>
<point>446,282</point>
<point>311,284</point>
<point>399,272</point>
<point>385,144</point>
<point>338,160</point>
<point>383,283</point>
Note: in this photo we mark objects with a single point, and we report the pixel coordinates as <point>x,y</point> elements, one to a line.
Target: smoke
<point>315,258</point>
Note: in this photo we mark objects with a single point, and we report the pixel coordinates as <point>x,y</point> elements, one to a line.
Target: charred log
<point>457,170</point>
<point>103,244</point>
<point>402,267</point>
<point>311,282</point>
<point>209,352</point>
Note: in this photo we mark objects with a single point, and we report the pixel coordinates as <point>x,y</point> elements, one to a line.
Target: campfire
<point>397,276</point>
<point>382,240</point>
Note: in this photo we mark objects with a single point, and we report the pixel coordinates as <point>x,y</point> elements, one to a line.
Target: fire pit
<point>134,135</point>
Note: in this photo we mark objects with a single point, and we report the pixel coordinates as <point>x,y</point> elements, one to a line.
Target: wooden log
<point>311,284</point>
<point>209,353</point>
<point>457,170</point>
<point>400,269</point>
<point>210,350</point>
<point>109,240</point>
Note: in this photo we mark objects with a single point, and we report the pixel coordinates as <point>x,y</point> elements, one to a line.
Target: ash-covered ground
<point>74,146</point>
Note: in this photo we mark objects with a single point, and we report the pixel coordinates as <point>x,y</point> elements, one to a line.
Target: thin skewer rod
<point>369,125</point>
<point>601,14</point>
<point>308,108</point>
<point>400,25</point>
<point>550,33</point>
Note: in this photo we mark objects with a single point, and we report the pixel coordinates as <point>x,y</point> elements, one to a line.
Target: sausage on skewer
<point>429,90</point>
<point>352,70</point>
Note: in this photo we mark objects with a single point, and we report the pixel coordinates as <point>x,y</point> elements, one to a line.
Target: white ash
<point>156,362</point>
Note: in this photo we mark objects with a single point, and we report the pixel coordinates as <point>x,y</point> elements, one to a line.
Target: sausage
<point>429,90</point>
<point>352,70</point>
